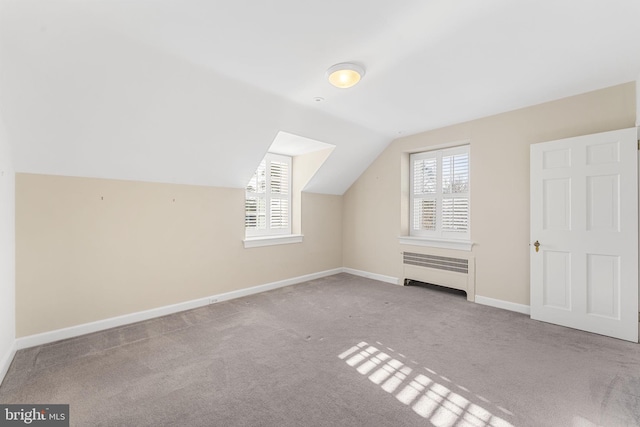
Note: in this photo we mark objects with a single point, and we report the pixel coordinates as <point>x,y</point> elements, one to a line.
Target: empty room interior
<point>290,213</point>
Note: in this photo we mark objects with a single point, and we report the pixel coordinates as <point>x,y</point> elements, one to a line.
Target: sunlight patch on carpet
<point>425,395</point>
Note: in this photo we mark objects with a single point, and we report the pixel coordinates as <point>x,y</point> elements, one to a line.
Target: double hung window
<point>439,198</point>
<point>268,198</point>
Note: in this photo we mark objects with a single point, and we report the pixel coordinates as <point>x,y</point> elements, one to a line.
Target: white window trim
<point>260,241</point>
<point>438,240</point>
<point>253,234</point>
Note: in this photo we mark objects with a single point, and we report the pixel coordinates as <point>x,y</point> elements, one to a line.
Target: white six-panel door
<point>584,216</point>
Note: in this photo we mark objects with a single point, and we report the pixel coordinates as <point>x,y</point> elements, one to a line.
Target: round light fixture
<point>345,74</point>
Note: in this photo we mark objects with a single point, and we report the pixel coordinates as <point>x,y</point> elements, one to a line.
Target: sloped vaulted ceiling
<point>195,91</point>
<point>81,99</point>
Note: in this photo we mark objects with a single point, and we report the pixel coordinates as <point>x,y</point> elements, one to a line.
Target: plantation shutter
<point>279,202</point>
<point>425,193</point>
<point>439,195</point>
<point>455,190</point>
<point>268,197</point>
<point>255,202</point>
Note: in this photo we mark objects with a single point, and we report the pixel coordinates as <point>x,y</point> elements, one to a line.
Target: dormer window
<point>268,198</point>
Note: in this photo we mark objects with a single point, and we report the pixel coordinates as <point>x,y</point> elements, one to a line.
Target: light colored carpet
<point>338,351</point>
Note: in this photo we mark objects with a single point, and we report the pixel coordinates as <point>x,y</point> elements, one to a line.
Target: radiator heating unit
<point>455,273</point>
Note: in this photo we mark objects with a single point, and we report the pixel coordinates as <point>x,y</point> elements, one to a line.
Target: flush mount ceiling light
<point>345,74</point>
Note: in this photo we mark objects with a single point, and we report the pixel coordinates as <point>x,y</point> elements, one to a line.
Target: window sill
<point>259,241</point>
<point>461,245</point>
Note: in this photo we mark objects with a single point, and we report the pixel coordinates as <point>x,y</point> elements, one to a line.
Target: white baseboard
<point>505,305</point>
<point>5,361</point>
<point>374,276</point>
<point>100,325</point>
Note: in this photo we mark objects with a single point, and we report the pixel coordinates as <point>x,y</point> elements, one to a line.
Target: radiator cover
<point>456,273</point>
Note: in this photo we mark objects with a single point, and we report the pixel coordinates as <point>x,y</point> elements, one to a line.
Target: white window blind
<point>268,197</point>
<point>439,200</point>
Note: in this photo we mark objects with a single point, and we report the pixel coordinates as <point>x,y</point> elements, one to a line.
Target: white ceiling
<point>195,91</point>
<point>292,145</point>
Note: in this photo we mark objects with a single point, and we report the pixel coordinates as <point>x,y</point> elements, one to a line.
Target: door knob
<point>537,245</point>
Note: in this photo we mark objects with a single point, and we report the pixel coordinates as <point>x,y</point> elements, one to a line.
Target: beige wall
<point>303,168</point>
<point>91,249</point>
<point>374,205</point>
